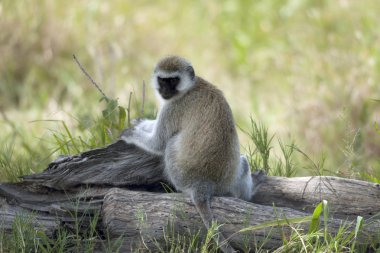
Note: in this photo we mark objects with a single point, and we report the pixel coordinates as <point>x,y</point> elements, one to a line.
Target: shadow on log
<point>90,184</point>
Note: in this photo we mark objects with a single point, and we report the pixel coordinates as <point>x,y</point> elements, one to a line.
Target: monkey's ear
<point>191,72</point>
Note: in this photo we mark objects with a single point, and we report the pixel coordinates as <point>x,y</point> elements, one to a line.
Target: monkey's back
<point>207,146</point>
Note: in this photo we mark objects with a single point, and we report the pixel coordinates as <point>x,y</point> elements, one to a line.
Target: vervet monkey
<point>195,133</point>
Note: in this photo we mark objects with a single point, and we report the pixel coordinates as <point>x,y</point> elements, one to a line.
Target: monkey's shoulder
<point>206,85</point>
<point>205,102</point>
<point>206,93</point>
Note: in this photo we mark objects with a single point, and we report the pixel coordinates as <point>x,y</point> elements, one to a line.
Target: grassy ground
<point>307,70</point>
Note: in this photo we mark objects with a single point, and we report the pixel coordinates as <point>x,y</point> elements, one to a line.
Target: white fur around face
<point>185,82</point>
<point>162,74</point>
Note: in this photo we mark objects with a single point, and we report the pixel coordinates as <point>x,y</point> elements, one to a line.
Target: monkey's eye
<point>171,81</point>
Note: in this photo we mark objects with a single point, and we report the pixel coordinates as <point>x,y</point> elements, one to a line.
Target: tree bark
<point>347,198</point>
<point>142,213</point>
<point>143,219</point>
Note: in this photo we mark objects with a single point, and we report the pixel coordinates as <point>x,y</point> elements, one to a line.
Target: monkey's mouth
<point>167,93</point>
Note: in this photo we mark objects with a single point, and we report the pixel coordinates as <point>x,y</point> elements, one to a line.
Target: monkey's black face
<point>167,87</point>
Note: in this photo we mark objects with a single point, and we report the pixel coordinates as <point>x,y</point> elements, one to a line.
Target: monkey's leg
<point>201,196</point>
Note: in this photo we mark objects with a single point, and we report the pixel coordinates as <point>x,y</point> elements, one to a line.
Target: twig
<point>129,109</point>
<point>5,117</point>
<point>143,99</point>
<point>88,76</point>
<point>11,123</point>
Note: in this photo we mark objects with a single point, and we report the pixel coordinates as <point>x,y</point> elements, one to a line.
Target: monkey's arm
<point>151,136</point>
<point>151,142</point>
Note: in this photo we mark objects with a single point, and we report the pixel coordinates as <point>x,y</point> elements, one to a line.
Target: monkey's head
<point>172,76</point>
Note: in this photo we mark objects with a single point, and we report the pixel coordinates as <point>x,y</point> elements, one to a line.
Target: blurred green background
<point>309,70</point>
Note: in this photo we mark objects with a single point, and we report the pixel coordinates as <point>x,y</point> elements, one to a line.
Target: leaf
<point>371,178</point>
<point>73,142</point>
<point>315,220</point>
<point>110,108</point>
<point>276,223</point>
<point>377,128</point>
<point>325,215</point>
<point>104,98</point>
<point>44,243</point>
<point>122,117</point>
<point>358,227</point>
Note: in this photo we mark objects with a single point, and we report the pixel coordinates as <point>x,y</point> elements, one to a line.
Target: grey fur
<point>195,133</point>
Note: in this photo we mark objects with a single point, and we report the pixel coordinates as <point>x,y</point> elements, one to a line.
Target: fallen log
<point>126,166</point>
<point>85,182</point>
<point>348,198</point>
<point>119,165</point>
<point>144,219</point>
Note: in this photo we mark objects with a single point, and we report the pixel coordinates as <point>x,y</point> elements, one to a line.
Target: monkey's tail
<point>201,197</point>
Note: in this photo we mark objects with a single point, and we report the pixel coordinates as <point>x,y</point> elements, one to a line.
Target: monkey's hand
<point>132,135</point>
<point>136,121</point>
<point>143,140</point>
<point>139,124</point>
<point>127,132</point>
<point>145,125</point>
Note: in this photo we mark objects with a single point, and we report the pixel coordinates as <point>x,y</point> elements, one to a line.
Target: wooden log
<point>10,213</point>
<point>48,210</point>
<point>139,216</point>
<point>119,165</point>
<point>348,198</point>
<point>148,219</point>
<point>124,165</point>
<point>80,183</point>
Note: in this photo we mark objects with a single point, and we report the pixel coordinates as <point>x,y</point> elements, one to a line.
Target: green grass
<point>28,238</point>
<point>307,72</point>
<point>307,69</point>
